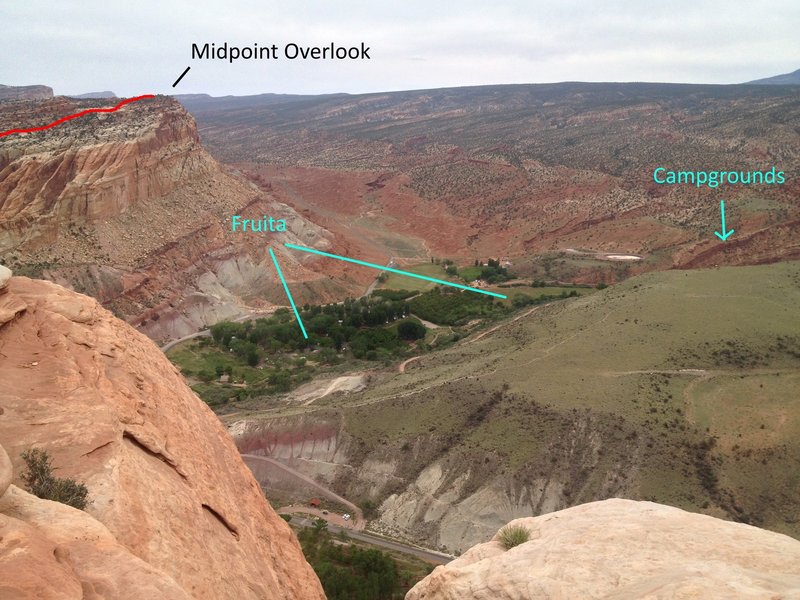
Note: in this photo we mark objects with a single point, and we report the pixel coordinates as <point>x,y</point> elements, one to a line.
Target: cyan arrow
<point>725,234</point>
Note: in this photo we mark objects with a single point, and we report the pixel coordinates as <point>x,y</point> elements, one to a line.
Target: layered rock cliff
<point>25,92</point>
<point>173,511</point>
<point>129,208</point>
<point>623,549</point>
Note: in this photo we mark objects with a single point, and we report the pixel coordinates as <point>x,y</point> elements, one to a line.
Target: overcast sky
<point>79,46</point>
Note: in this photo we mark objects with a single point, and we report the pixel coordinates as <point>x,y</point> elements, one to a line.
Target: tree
<point>411,330</point>
<point>319,526</point>
<point>40,481</point>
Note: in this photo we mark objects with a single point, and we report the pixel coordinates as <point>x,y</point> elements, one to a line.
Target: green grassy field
<point>470,273</point>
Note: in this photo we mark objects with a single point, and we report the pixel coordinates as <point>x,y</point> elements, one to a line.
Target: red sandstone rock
<point>173,512</point>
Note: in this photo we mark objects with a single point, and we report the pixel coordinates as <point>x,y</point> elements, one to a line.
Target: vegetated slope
<point>129,208</point>
<point>523,170</point>
<point>624,550</point>
<point>172,510</point>
<point>677,387</point>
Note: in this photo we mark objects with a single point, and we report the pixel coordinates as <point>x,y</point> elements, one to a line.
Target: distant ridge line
<point>83,113</point>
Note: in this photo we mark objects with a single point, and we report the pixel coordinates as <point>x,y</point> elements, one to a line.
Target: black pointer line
<point>178,80</point>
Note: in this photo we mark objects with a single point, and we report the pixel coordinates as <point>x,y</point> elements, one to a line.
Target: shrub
<point>41,482</point>
<point>513,535</point>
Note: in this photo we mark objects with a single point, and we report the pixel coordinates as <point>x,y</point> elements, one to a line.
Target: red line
<point>76,115</point>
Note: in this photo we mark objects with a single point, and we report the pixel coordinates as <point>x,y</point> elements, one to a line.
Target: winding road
<point>427,555</point>
<point>336,524</point>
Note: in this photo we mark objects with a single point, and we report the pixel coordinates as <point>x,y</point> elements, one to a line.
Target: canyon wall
<point>129,208</point>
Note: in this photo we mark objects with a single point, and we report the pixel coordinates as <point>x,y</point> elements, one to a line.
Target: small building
<point>314,502</point>
<point>225,378</point>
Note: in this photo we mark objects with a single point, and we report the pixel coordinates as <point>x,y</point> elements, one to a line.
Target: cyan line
<point>288,293</point>
<point>399,272</point>
<point>725,234</point>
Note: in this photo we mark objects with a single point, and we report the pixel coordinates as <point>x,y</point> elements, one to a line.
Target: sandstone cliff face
<point>623,549</point>
<point>173,513</point>
<point>129,208</point>
<point>92,168</point>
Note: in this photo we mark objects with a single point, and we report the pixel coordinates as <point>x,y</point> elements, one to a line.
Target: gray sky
<point>81,46</point>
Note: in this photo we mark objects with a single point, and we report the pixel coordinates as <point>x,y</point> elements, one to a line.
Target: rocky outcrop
<point>623,549</point>
<point>94,168</point>
<point>25,92</point>
<point>5,276</point>
<point>173,511</point>
<point>129,208</point>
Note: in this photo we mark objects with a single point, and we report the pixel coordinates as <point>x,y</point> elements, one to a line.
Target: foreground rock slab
<point>623,549</point>
<point>173,513</point>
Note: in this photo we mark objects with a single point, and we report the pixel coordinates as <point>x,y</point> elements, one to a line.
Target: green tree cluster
<point>350,572</point>
<point>361,323</point>
<point>452,307</point>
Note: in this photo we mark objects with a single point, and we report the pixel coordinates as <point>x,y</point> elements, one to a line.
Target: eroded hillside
<point>674,387</point>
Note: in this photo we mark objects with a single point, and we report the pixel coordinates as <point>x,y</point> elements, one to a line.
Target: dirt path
<point>496,327</point>
<point>315,390</point>
<point>615,256</point>
<point>698,372</point>
<point>358,515</point>
<point>431,556</point>
<point>186,338</point>
<point>401,368</point>
<point>427,324</point>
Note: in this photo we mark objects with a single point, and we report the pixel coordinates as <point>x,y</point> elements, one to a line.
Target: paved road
<point>426,555</point>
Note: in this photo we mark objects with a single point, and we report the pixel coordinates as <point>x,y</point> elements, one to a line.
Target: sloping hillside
<point>677,387</point>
